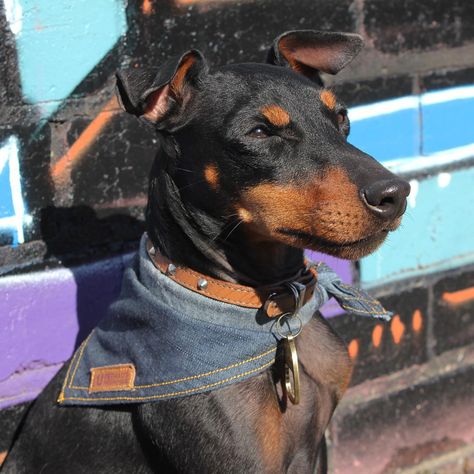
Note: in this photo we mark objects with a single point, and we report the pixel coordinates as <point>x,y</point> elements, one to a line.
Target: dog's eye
<point>341,118</point>
<point>259,132</point>
<point>343,122</point>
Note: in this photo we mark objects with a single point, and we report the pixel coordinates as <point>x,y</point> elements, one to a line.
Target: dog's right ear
<point>159,95</point>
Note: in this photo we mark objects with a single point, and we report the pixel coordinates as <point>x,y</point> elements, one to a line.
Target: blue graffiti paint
<point>389,135</point>
<point>59,42</point>
<point>436,232</point>
<point>447,119</point>
<point>406,127</point>
<point>12,209</point>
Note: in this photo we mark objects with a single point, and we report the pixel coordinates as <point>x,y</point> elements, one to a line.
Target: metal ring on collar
<point>299,291</point>
<point>294,317</point>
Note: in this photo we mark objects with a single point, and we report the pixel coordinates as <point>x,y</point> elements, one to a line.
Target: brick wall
<point>73,176</point>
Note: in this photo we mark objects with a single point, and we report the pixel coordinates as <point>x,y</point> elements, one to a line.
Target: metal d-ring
<point>279,325</point>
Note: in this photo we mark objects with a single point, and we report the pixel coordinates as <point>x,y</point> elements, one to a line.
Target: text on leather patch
<point>112,378</point>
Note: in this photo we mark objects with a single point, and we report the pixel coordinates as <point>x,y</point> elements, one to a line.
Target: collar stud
<point>202,284</point>
<point>171,270</point>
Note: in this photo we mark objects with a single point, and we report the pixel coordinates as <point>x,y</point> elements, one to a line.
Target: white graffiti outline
<point>9,154</point>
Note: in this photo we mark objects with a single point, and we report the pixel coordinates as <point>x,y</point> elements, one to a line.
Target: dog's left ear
<point>311,51</point>
<point>160,96</point>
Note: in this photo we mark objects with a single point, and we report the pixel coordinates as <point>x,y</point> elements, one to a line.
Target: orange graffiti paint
<point>458,297</point>
<point>353,348</point>
<point>417,321</point>
<point>377,334</point>
<point>397,328</point>
<point>61,169</point>
<point>147,7</point>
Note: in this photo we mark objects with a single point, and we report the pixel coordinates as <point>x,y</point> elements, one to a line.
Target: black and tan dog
<point>253,167</point>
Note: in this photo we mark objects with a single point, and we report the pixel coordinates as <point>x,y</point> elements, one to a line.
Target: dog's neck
<point>192,238</point>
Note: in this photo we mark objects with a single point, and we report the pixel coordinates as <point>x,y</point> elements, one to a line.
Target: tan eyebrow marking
<point>212,176</point>
<point>276,115</point>
<point>328,99</point>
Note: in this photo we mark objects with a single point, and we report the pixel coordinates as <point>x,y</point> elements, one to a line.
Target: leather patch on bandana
<point>112,378</point>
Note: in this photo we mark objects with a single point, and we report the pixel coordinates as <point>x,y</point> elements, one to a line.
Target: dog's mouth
<point>352,250</point>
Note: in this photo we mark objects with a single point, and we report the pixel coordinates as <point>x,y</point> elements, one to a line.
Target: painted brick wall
<point>73,178</point>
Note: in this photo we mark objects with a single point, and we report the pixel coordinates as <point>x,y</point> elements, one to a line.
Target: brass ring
<point>279,325</point>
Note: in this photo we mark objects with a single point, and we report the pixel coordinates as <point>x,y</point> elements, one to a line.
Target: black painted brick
<point>388,357</point>
<point>77,231</point>
<point>447,78</point>
<point>383,422</point>
<point>232,32</point>
<point>453,325</point>
<point>400,25</point>
<point>117,165</point>
<point>366,92</point>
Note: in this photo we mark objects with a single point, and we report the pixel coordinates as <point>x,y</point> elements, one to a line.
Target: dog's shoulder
<point>324,356</point>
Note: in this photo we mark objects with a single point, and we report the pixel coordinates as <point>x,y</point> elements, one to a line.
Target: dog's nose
<point>387,198</point>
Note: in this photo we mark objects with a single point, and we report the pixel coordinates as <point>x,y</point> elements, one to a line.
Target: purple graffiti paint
<point>343,269</point>
<point>45,315</point>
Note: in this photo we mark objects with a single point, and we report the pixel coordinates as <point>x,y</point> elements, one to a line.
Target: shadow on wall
<point>76,231</point>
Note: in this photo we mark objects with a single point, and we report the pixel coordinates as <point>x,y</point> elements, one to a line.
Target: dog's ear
<point>157,95</point>
<point>311,51</point>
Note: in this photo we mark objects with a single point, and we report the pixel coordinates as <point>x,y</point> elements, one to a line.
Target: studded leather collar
<point>274,299</point>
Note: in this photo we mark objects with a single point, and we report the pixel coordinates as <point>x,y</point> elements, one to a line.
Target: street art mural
<point>421,137</point>
<point>12,208</point>
<point>73,169</point>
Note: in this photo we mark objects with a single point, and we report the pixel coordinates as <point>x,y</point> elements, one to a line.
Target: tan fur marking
<point>328,208</point>
<point>244,214</point>
<point>328,99</point>
<point>211,175</point>
<point>276,115</point>
<point>269,432</point>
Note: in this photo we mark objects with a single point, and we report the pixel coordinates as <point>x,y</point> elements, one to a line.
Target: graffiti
<point>47,314</point>
<point>59,43</point>
<point>459,297</point>
<point>414,132</point>
<point>435,220</point>
<point>409,135</point>
<point>397,330</point>
<point>12,209</point>
<point>147,7</point>
<point>62,168</point>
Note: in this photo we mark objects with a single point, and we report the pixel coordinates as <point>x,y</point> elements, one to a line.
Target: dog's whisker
<point>189,185</point>
<point>233,229</point>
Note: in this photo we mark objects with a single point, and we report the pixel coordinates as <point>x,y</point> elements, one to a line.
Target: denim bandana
<point>160,340</point>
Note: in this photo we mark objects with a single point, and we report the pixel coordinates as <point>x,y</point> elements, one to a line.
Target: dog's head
<point>265,145</point>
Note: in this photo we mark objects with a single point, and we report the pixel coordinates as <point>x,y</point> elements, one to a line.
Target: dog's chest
<point>247,424</point>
